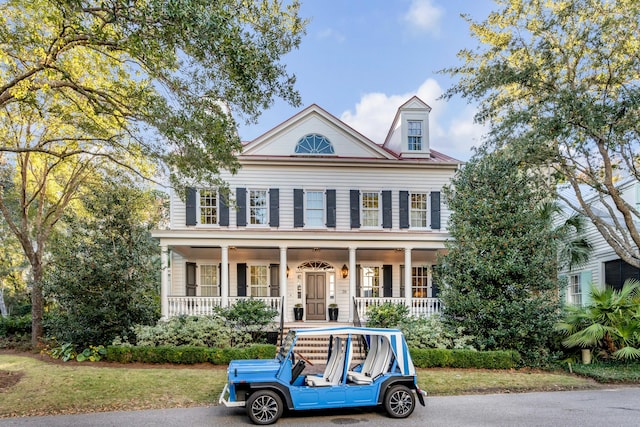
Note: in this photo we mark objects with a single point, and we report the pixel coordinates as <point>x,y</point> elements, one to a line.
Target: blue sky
<point>361,59</point>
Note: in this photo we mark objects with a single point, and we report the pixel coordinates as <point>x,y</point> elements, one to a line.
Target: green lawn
<point>52,388</point>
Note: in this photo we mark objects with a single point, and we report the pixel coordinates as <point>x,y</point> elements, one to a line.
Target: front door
<point>316,291</point>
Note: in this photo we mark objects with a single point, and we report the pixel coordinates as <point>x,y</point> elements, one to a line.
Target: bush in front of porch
<point>245,323</point>
<point>419,332</point>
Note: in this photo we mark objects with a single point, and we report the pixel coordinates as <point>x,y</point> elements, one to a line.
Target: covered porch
<point>347,271</point>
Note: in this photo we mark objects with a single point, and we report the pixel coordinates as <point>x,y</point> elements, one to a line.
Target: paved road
<point>606,407</point>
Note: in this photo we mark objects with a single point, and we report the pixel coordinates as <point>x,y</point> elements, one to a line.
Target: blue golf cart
<point>383,375</point>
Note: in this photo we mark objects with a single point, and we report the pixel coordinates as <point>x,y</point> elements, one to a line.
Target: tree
<point>104,273</point>
<point>558,82</point>
<point>500,269</point>
<point>88,87</point>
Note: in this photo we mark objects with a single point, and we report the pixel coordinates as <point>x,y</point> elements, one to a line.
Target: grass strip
<point>46,388</point>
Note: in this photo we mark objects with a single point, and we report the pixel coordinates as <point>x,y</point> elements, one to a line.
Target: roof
<point>346,330</point>
<point>395,337</point>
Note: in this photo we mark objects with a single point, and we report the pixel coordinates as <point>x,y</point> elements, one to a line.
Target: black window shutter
<point>435,210</point>
<point>274,270</point>
<point>331,208</point>
<point>274,207</point>
<point>241,201</point>
<point>386,209</point>
<point>190,279</point>
<point>354,197</point>
<point>224,210</point>
<point>298,207</point>
<point>358,280</point>
<point>191,206</point>
<point>435,290</point>
<point>404,209</point>
<point>242,279</point>
<point>387,280</point>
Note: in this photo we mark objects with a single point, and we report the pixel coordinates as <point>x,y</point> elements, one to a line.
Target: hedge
<point>440,358</point>
<point>13,325</point>
<point>188,354</point>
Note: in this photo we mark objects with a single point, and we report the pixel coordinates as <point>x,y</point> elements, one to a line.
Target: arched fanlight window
<point>314,144</point>
<point>316,266</point>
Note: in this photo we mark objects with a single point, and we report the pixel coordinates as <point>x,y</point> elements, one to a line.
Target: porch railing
<point>203,306</point>
<point>420,307</point>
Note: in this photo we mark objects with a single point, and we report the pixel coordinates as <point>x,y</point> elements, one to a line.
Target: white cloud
<point>452,133</point>
<point>331,34</point>
<point>424,16</point>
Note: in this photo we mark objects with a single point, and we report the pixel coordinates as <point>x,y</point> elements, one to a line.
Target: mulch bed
<point>8,379</point>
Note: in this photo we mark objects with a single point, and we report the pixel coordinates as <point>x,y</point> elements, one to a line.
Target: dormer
<point>409,133</point>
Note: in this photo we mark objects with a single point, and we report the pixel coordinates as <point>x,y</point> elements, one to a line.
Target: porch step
<point>315,348</point>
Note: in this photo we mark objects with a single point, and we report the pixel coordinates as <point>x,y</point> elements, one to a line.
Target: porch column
<point>352,282</point>
<point>224,275</point>
<point>283,282</point>
<point>164,282</point>
<point>407,278</point>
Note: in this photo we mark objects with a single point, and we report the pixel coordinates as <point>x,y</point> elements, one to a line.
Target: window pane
<point>258,206</point>
<point>414,128</point>
<point>208,207</point>
<point>314,209</point>
<point>371,282</point>
<point>258,281</point>
<point>419,282</point>
<point>418,210</point>
<point>575,290</point>
<point>314,144</point>
<point>370,209</point>
<point>209,281</point>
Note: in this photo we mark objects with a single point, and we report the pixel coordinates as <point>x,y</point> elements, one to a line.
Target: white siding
<point>340,178</point>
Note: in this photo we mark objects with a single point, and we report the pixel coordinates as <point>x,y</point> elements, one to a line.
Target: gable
<point>344,141</point>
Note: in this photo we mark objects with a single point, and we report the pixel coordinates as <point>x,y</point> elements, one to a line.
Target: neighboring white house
<point>319,214</point>
<point>604,266</point>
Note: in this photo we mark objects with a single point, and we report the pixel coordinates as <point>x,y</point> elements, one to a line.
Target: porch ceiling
<point>363,255</point>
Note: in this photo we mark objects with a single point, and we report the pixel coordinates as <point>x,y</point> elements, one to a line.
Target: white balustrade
<point>420,307</point>
<point>204,306</point>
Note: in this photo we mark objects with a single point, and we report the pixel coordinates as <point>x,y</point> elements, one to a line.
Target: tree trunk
<point>37,301</point>
<point>3,307</point>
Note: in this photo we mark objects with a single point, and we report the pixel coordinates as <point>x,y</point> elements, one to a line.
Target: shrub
<point>187,354</point>
<point>248,316</point>
<point>442,358</point>
<point>15,325</point>
<point>610,324</point>
<point>431,332</point>
<point>203,331</point>
<point>387,315</point>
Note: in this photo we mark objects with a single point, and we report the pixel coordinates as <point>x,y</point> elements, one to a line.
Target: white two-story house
<point>317,215</point>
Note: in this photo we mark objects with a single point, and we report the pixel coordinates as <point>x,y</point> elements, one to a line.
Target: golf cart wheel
<point>264,407</point>
<point>399,401</point>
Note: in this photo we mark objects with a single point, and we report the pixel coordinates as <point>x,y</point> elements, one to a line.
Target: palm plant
<point>610,324</point>
<point>573,247</point>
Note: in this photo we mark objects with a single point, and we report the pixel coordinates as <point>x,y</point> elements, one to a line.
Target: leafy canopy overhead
<point>152,78</point>
<point>559,83</point>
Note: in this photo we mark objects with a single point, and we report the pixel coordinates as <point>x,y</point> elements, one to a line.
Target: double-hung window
<point>258,207</point>
<point>314,209</point>
<point>575,290</point>
<point>418,209</point>
<point>414,128</point>
<point>419,282</point>
<point>209,280</point>
<point>370,209</point>
<point>371,282</point>
<point>259,281</point>
<point>208,200</point>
